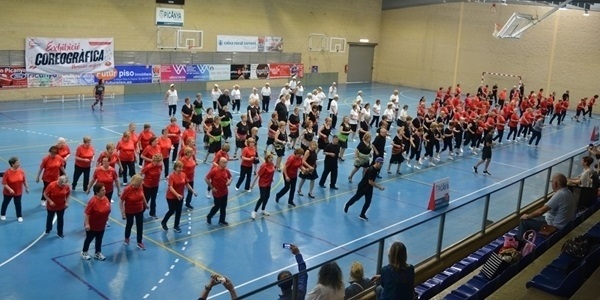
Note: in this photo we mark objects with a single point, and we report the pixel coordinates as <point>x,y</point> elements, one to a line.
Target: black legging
<point>128,169</point>
<point>89,236</point>
<point>220,204</point>
<point>499,136</point>
<point>537,135</point>
<point>368,193</point>
<point>175,207</point>
<point>139,225</point>
<point>375,120</point>
<point>554,116</point>
<point>150,194</point>
<point>265,103</point>
<point>6,201</point>
<point>236,103</point>
<point>288,186</point>
<point>245,174</point>
<point>172,109</point>
<point>59,221</point>
<point>188,197</point>
<point>86,176</point>
<point>512,131</point>
<point>174,159</point>
<point>265,193</point>
<point>166,166</point>
<point>46,183</point>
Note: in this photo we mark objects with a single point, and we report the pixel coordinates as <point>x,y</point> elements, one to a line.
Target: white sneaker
<point>418,167</point>
<point>253,215</point>
<point>461,150</point>
<point>431,164</point>
<point>99,256</point>
<point>20,220</point>
<point>451,157</point>
<point>265,213</point>
<point>85,255</point>
<point>43,203</point>
<point>2,218</point>
<point>408,165</point>
<point>208,194</point>
<point>420,161</point>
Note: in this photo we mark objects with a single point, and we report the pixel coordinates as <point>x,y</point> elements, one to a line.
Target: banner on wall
<point>286,70</point>
<point>239,72</point>
<point>169,16</point>
<point>259,71</point>
<point>238,43</point>
<point>208,72</point>
<point>68,56</point>
<point>43,80</point>
<point>173,73</point>
<point>130,75</point>
<point>13,77</point>
<point>270,44</point>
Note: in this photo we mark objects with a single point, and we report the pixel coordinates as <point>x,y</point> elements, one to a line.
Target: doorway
<point>360,62</point>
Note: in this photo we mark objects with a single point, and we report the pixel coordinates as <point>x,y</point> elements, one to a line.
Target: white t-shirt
<point>354,114</point>
<point>376,110</point>
<point>332,92</point>
<point>171,97</point>
<point>403,115</point>
<point>306,105</point>
<point>389,114</point>
<point>253,96</point>
<point>364,113</point>
<point>236,94</point>
<point>293,84</point>
<point>300,91</point>
<point>320,97</point>
<point>333,109</point>
<point>265,91</point>
<point>284,91</point>
<point>215,94</point>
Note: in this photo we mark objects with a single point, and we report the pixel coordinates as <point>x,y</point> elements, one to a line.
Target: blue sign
<point>198,72</point>
<point>132,75</point>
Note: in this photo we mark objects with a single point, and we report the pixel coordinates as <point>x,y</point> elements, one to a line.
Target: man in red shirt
<point>218,180</point>
<point>290,175</point>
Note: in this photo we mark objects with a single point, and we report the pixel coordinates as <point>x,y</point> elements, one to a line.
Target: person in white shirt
<point>388,114</point>
<point>299,93</point>
<point>359,98</point>
<point>306,106</point>
<point>171,99</point>
<point>332,93</point>
<point>320,96</point>
<point>215,93</point>
<point>395,99</point>
<point>376,109</point>
<point>365,112</point>
<point>293,85</point>
<point>333,111</point>
<point>354,116</point>
<point>254,95</point>
<point>236,97</point>
<point>402,116</point>
<point>285,90</point>
<point>266,97</point>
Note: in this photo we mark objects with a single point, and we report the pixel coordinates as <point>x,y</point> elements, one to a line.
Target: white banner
<point>169,16</point>
<point>235,43</point>
<point>68,56</point>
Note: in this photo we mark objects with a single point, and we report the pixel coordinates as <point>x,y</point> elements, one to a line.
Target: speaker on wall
<point>175,2</point>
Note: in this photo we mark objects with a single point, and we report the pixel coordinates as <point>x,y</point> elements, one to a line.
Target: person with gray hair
<point>57,200</point>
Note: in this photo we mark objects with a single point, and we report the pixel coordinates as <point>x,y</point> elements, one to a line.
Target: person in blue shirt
<point>286,286</point>
<point>397,279</point>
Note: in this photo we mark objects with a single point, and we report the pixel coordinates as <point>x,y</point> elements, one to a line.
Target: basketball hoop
<point>191,48</point>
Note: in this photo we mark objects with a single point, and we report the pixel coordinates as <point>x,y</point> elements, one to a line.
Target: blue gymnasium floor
<point>35,266</point>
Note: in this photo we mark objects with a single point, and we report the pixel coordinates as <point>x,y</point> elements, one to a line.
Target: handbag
<point>494,266</point>
<point>547,230</point>
<point>510,242</point>
<point>529,239</point>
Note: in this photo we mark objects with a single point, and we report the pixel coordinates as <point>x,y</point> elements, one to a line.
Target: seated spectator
<point>330,285</point>
<point>286,287</point>
<point>559,210</point>
<point>585,179</point>
<point>216,279</point>
<point>358,282</point>
<point>397,279</point>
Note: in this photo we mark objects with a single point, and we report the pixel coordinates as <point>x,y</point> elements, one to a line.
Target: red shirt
<point>144,138</point>
<point>133,137</point>
<point>134,199</point>
<point>14,179</point>
<point>174,133</point>
<point>292,165</point>
<point>86,152</point>
<point>165,145</point>
<point>218,178</point>
<point>188,134</point>
<point>149,153</point>
<point>126,150</point>
<point>514,120</point>
<point>189,167</point>
<point>107,177</point>
<point>248,152</point>
<point>265,173</point>
<point>178,181</point>
<point>64,151</point>
<point>151,174</point>
<point>112,158</point>
<point>98,210</point>
<point>51,166</point>
<point>500,121</point>
<point>58,194</point>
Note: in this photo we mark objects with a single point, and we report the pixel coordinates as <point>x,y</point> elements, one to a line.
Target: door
<point>360,63</point>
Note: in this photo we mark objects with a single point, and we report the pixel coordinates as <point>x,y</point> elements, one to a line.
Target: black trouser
<point>265,193</point>
<point>265,103</point>
<point>188,197</point>
<point>172,109</point>
<point>215,105</point>
<point>175,207</point>
<point>46,183</point>
<point>329,104</point>
<point>588,112</point>
<point>140,158</point>
<point>288,186</point>
<point>109,194</point>
<point>375,120</point>
<point>236,103</point>
<point>447,144</point>
<point>512,131</point>
<point>537,135</point>
<point>299,100</point>
<point>499,136</point>
<point>368,193</point>
<point>89,236</point>
<point>86,176</point>
<point>59,221</point>
<point>220,205</point>
<point>245,174</point>
<point>174,155</point>
<point>333,120</point>
<point>458,139</point>
<point>524,129</point>
<point>139,225</point>
<point>150,194</point>
<point>128,169</point>
<point>6,201</point>
<point>166,166</point>
<point>563,114</point>
<point>554,116</point>
<point>329,168</point>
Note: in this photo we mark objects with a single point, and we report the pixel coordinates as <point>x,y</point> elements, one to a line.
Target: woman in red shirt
<point>144,141</point>
<point>113,157</point>
<point>57,195</point>
<point>189,168</point>
<point>151,173</point>
<point>290,175</point>
<point>64,151</point>
<point>14,180</point>
<point>265,173</point>
<point>248,157</point>
<point>96,215</point>
<point>175,135</point>
<point>52,165</point>
<point>151,149</point>
<point>126,149</point>
<point>178,181</point>
<point>224,152</point>
<point>165,144</point>
<point>84,155</point>
<point>219,179</point>
<point>133,203</point>
<point>106,175</point>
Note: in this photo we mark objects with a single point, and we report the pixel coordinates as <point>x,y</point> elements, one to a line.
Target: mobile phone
<point>287,245</point>
<point>220,279</point>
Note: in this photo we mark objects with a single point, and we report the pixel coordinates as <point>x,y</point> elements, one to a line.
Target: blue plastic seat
<point>556,283</point>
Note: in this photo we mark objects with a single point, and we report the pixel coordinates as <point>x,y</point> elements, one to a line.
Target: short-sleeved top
<point>86,152</point>
<point>165,145</point>
<point>189,167</point>
<point>562,208</point>
<point>242,130</point>
<point>178,181</point>
<point>112,158</point>
<point>151,174</point>
<point>14,179</point>
<point>134,199</point>
<point>265,173</point>
<point>487,142</point>
<point>106,177</point>
<point>363,148</point>
<point>175,131</point>
<point>144,138</point>
<point>98,210</point>
<point>51,165</point>
<point>586,178</point>
<point>150,151</point>
<point>218,178</point>
<point>64,150</point>
<point>371,174</point>
<point>58,194</point>
<point>292,165</point>
<point>248,152</point>
<point>126,150</point>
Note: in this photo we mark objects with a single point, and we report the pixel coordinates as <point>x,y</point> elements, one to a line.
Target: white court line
<point>27,248</point>
<point>104,127</point>
<point>390,226</point>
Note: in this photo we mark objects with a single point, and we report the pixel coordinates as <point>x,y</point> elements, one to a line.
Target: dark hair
<point>97,187</point>
<point>13,160</point>
<point>588,160</point>
<point>286,285</point>
<point>53,148</point>
<point>330,275</point>
<point>397,256</point>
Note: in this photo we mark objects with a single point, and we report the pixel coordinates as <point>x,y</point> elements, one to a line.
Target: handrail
<point>485,193</point>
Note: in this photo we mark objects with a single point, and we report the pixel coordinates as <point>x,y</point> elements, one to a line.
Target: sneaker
<point>346,207</point>
<point>475,169</point>
<point>208,194</point>
<point>124,183</point>
<point>112,201</point>
<point>189,206</point>
<point>431,164</point>
<point>99,256</point>
<point>224,223</point>
<point>451,157</point>
<point>141,246</point>
<point>321,185</point>
<point>177,229</point>
<point>61,236</point>
<point>2,218</point>
<point>208,221</point>
<point>126,242</point>
<point>85,255</point>
<point>237,188</point>
<point>487,173</point>
<point>20,220</point>
<point>253,215</point>
<point>292,204</point>
<point>153,217</point>
<point>333,187</point>
<point>418,167</point>
<point>265,213</point>
<point>363,217</point>
<point>164,226</point>
<point>43,202</point>
<point>408,165</point>
<point>93,109</point>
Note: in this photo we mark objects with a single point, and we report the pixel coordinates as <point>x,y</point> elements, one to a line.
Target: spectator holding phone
<point>286,286</point>
<point>216,279</point>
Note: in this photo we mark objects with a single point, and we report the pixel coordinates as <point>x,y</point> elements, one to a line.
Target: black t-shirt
<point>281,112</point>
<point>371,174</point>
<point>242,129</point>
<point>487,145</point>
<point>331,148</point>
<point>379,144</point>
<point>363,148</point>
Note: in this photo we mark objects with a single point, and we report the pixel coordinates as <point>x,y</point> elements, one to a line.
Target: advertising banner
<point>270,44</point>
<point>235,43</point>
<point>440,194</point>
<point>77,79</point>
<point>169,16</point>
<point>286,70</point>
<point>13,77</point>
<point>240,72</point>
<point>173,73</point>
<point>155,73</point>
<point>68,56</point>
<point>43,80</point>
<point>131,75</point>
<point>259,71</point>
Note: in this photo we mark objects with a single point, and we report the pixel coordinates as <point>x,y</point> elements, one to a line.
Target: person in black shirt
<point>365,188</point>
<point>486,153</point>
<point>332,154</point>
<point>379,145</point>
<point>198,109</point>
<point>223,100</point>
<point>281,111</point>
